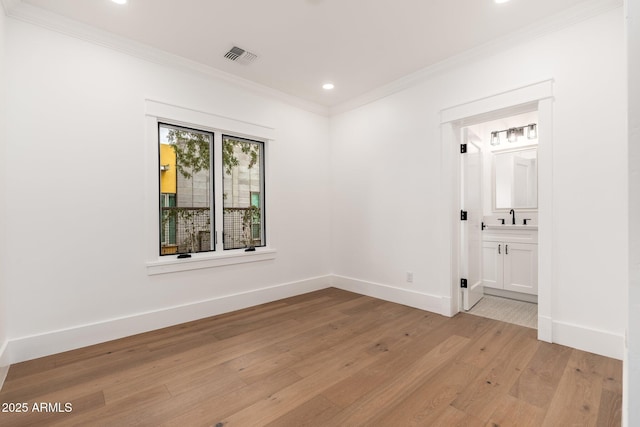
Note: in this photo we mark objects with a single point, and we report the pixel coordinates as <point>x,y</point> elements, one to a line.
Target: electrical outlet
<point>409,277</point>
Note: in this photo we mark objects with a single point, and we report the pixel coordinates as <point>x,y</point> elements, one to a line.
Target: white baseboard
<point>4,354</point>
<point>4,363</point>
<point>596,341</point>
<point>52,342</point>
<point>518,296</point>
<point>30,347</point>
<point>545,328</point>
<point>432,303</point>
<point>4,370</point>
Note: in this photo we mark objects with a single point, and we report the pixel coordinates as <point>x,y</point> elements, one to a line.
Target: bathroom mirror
<point>515,179</point>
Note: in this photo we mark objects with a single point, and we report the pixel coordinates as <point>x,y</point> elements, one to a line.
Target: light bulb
<point>495,138</point>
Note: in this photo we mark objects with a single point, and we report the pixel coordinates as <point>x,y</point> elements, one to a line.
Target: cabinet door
<point>521,268</point>
<point>492,253</point>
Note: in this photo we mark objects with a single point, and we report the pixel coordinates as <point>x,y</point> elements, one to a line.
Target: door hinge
<point>463,148</point>
<point>463,215</point>
<point>463,283</point>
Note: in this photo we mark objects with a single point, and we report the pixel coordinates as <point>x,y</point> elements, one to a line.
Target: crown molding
<point>34,15</point>
<point>567,18</point>
<point>9,5</point>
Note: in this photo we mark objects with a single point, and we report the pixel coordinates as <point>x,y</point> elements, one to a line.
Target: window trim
<point>161,112</point>
<point>209,260</point>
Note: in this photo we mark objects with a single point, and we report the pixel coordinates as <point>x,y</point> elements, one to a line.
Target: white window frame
<point>160,112</point>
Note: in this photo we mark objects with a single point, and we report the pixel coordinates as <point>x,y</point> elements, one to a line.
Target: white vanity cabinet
<point>510,258</point>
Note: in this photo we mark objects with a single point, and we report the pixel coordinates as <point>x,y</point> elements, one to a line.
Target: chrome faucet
<point>513,216</point>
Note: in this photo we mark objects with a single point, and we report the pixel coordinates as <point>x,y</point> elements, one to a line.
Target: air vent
<point>240,55</point>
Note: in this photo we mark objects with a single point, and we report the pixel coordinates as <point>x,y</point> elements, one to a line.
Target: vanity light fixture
<point>514,133</point>
<point>495,138</point>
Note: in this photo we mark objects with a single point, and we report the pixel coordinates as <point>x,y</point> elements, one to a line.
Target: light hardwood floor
<point>328,358</point>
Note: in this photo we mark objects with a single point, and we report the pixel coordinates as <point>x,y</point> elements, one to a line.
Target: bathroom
<point>503,159</point>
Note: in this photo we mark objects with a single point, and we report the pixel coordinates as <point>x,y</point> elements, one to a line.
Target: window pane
<point>243,181</point>
<point>185,190</point>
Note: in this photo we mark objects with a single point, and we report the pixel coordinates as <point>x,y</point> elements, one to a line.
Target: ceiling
<point>359,45</point>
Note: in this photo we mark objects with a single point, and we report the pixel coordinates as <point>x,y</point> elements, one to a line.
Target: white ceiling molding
<point>557,22</point>
<point>34,15</point>
<point>9,5</point>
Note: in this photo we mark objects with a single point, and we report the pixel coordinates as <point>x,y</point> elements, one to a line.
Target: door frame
<point>535,97</point>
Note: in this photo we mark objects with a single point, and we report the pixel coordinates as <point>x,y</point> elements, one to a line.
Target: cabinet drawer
<point>515,236</point>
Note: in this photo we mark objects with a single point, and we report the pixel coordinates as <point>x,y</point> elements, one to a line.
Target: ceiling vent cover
<point>240,55</point>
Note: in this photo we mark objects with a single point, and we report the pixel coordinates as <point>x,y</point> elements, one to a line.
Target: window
<point>188,200</point>
<point>243,184</point>
<point>186,193</point>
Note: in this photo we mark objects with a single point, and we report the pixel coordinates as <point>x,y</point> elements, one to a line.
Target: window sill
<point>209,260</point>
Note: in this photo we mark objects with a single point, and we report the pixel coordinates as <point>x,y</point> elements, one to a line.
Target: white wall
<point>387,177</point>
<point>632,365</point>
<point>3,299</point>
<point>76,200</point>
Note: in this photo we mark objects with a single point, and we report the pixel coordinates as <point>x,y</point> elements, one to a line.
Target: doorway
<point>498,259</point>
<point>535,97</point>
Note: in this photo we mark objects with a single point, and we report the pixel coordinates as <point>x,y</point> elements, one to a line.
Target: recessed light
<point>328,86</point>
<point>119,1</point>
<point>500,1</point>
